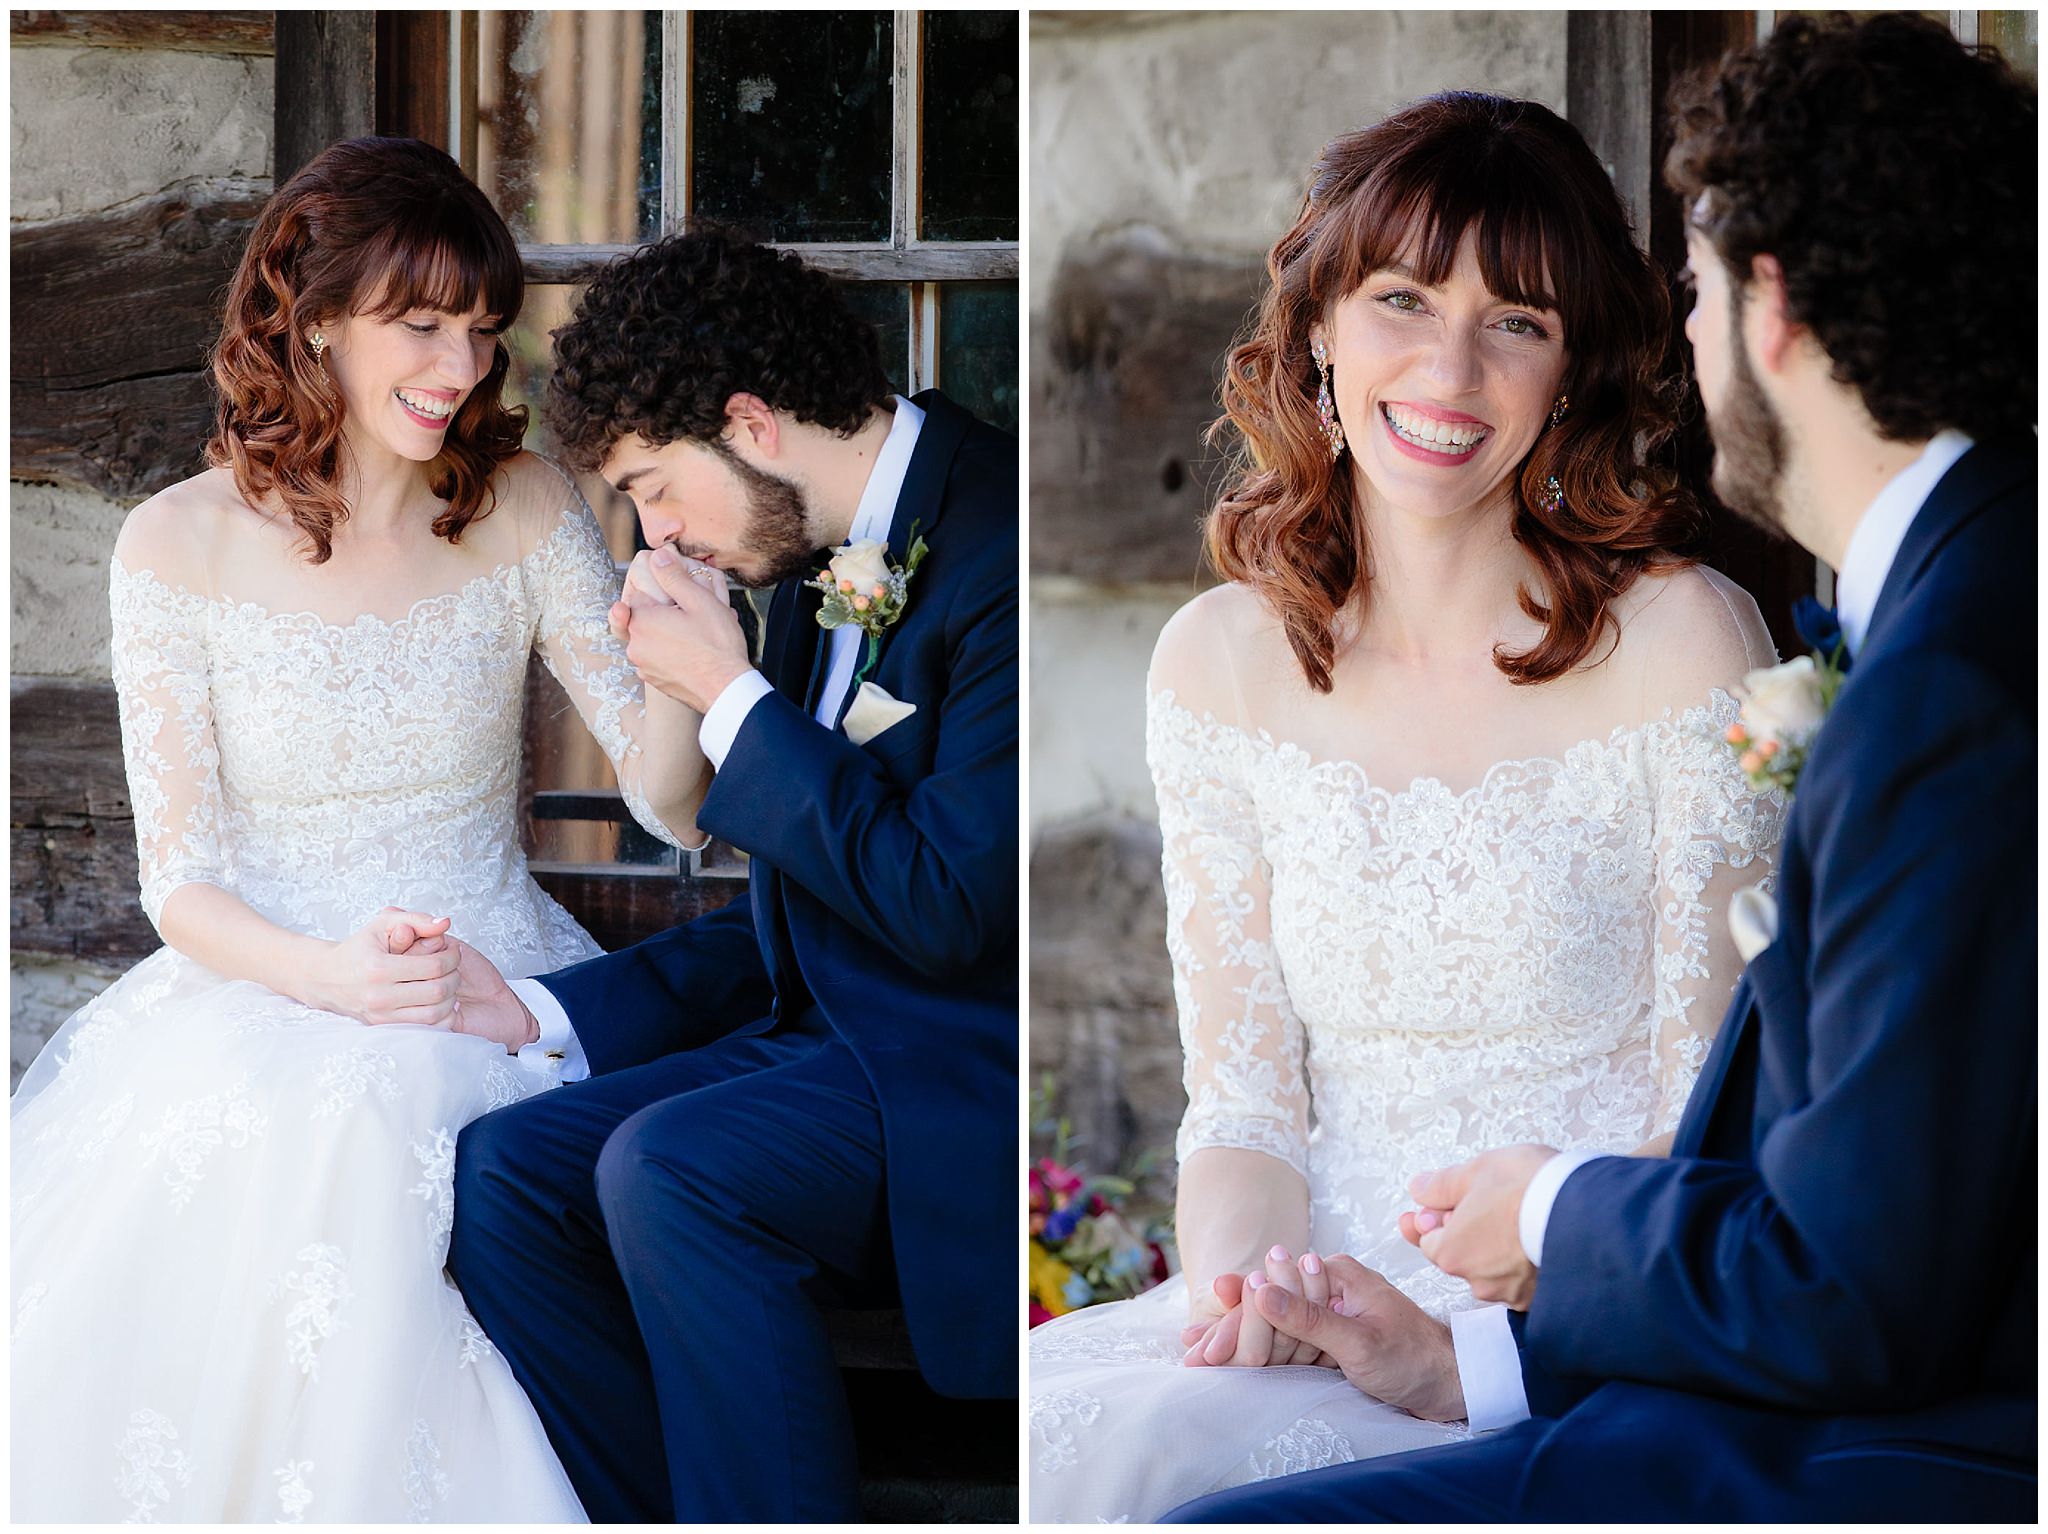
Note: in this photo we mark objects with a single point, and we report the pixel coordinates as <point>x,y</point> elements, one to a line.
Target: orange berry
<point>1752,761</point>
<point>861,604</point>
<point>1737,734</point>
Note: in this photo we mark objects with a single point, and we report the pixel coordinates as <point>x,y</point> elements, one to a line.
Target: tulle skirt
<point>1120,1431</point>
<point>230,1218</point>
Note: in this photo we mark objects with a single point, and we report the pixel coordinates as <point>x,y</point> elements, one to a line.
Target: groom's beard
<point>778,542</point>
<point>1749,442</point>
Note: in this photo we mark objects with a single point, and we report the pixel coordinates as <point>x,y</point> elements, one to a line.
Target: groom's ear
<point>1768,314</point>
<point>749,420</point>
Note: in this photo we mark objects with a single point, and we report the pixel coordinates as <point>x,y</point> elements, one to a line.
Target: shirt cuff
<point>728,711</point>
<point>1489,1368</point>
<point>1542,1193</point>
<point>556,1053</point>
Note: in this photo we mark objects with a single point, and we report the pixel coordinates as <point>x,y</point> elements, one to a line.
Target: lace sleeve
<point>577,582</point>
<point>161,679</point>
<point>1244,1048</point>
<point>1714,835</point>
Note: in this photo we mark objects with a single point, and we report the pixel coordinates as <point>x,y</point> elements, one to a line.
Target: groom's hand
<point>486,1006</point>
<point>1470,1222</point>
<point>1386,1344</point>
<point>691,650</point>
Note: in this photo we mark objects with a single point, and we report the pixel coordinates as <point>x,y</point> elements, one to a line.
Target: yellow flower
<point>1048,1280</point>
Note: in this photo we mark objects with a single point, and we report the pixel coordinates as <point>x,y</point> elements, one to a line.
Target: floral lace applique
<point>149,1466</point>
<point>1053,1417</point>
<point>437,1186</point>
<point>193,1130</point>
<point>425,1480</point>
<point>1310,1444</point>
<point>349,1074</point>
<point>293,1494</point>
<point>322,1289</point>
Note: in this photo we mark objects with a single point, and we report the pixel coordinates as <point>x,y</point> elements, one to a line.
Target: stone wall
<point>1168,150</point>
<point>140,148</point>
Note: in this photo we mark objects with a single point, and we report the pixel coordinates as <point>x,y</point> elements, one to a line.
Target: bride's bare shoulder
<point>1688,631</point>
<point>176,533</point>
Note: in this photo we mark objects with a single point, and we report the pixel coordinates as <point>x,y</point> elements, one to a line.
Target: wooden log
<point>112,318</point>
<point>853,263</point>
<point>326,84</point>
<point>233,32</point>
<point>72,832</point>
<point>412,75</point>
<point>1125,364</point>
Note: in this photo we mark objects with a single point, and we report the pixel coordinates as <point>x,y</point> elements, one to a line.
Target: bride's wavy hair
<point>375,226</point>
<point>1547,218</point>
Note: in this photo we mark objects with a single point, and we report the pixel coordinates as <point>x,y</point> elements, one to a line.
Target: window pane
<point>549,305</point>
<point>970,126</point>
<point>562,134</point>
<point>2017,34</point>
<point>978,349</point>
<point>886,306</point>
<point>790,122</point>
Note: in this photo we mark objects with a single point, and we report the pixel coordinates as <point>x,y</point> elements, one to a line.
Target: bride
<point>1449,829</point>
<point>231,1197</point>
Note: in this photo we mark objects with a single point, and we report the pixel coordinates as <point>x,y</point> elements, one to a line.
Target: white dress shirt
<point>557,1051</point>
<point>1489,1365</point>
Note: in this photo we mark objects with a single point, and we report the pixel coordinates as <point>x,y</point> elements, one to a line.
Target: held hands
<point>1228,1331</point>
<point>1470,1222</point>
<point>678,628</point>
<point>481,1003</point>
<point>395,968</point>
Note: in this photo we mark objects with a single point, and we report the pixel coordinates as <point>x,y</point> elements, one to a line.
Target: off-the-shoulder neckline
<point>1720,705</point>
<point>256,612</point>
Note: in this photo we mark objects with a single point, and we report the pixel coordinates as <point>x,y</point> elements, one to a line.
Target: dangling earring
<point>319,345</point>
<point>1553,496</point>
<point>1564,403</point>
<point>1326,407</point>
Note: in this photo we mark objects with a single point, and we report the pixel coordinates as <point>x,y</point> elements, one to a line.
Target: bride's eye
<point>1528,326</point>
<point>419,330</point>
<point>1403,300</point>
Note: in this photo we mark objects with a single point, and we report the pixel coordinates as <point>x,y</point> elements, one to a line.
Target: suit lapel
<point>1973,482</point>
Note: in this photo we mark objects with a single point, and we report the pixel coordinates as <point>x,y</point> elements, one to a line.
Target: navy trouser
<point>649,1248</point>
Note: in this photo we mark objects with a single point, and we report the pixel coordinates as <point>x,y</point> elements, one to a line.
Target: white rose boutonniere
<point>862,587</point>
<point>1783,708</point>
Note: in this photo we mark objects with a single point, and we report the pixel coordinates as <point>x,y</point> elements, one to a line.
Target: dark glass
<point>886,306</point>
<point>650,127</point>
<point>561,123</point>
<point>969,180</point>
<point>978,349</point>
<point>790,121</point>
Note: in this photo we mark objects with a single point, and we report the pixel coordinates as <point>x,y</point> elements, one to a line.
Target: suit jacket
<point>1838,1258</point>
<point>884,896</point>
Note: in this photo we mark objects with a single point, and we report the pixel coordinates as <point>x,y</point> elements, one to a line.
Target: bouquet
<point>1086,1247</point>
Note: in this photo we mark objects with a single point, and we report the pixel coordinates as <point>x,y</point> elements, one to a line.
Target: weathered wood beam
<point>112,317</point>
<point>1125,364</point>
<point>1608,99</point>
<point>241,32</point>
<point>326,84</point>
<point>412,75</point>
<point>854,263</point>
<point>72,830</point>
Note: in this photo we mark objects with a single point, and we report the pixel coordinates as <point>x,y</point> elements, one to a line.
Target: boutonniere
<point>863,587</point>
<point>1783,707</point>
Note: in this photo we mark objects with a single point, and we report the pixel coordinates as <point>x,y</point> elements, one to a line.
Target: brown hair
<point>378,226</point>
<point>1546,215</point>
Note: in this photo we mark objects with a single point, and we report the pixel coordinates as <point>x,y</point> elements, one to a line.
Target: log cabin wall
<point>142,150</point>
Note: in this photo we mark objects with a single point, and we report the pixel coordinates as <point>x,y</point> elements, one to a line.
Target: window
<point>882,146</point>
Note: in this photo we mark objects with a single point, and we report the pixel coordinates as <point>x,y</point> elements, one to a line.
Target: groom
<point>809,1097</point>
<point>1821,1306</point>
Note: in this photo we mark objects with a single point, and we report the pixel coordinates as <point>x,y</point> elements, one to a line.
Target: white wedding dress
<point>230,1211</point>
<point>1375,981</point>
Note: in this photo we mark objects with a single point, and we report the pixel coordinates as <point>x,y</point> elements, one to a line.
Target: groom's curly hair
<point>1890,170</point>
<point>666,335</point>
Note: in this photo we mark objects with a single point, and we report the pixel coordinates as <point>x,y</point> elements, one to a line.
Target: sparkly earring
<point>1553,496</point>
<point>1326,407</point>
<point>1564,403</point>
<point>319,344</point>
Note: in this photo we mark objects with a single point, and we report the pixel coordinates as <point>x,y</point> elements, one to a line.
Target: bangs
<point>445,258</point>
<point>1416,206</point>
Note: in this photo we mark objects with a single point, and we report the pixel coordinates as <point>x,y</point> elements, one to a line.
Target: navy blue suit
<point>1822,1305</point>
<point>808,1097</point>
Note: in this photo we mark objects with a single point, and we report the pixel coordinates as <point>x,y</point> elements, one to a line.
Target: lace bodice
<point>321,771</point>
<point>1372,982</point>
